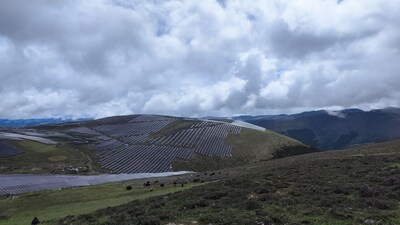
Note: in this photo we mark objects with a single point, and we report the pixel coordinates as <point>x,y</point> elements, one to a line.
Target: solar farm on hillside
<point>135,146</point>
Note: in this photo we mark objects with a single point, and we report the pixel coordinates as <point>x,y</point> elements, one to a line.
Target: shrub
<point>265,189</point>
<point>341,189</point>
<point>252,205</point>
<point>196,204</point>
<point>367,191</point>
<point>215,195</point>
<point>293,150</point>
<point>377,203</point>
<point>148,220</point>
<point>341,213</point>
<point>390,181</point>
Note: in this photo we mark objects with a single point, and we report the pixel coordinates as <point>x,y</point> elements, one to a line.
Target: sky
<point>194,58</point>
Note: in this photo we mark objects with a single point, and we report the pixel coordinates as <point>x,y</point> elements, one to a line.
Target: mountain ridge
<point>326,130</point>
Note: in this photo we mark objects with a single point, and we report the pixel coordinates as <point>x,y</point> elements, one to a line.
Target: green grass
<point>250,146</point>
<point>42,158</point>
<point>55,204</point>
<point>319,188</point>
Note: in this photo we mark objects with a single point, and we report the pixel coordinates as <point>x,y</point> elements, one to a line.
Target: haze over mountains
<point>334,129</point>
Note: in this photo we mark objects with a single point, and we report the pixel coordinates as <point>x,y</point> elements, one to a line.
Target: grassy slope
<point>359,186</point>
<point>50,205</point>
<point>41,158</point>
<point>249,146</point>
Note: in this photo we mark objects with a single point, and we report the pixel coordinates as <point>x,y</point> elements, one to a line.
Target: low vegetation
<point>345,187</point>
<point>42,158</point>
<point>55,204</point>
<point>250,146</point>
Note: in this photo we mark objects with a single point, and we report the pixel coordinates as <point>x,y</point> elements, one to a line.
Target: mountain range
<point>328,130</point>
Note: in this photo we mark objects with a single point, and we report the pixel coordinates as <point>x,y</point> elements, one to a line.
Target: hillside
<point>334,129</point>
<point>356,186</point>
<point>138,144</point>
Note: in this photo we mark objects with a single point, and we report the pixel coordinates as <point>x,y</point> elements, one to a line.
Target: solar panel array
<point>143,159</point>
<point>212,142</point>
<point>85,130</point>
<point>130,129</point>
<point>21,183</point>
<point>149,118</point>
<point>186,138</point>
<point>109,145</point>
<point>17,189</point>
<point>136,147</point>
<point>7,150</point>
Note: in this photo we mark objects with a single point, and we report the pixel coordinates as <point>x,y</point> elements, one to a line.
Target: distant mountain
<point>334,129</point>
<point>32,122</point>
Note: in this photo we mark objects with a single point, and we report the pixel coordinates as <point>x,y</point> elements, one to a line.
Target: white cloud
<point>196,58</point>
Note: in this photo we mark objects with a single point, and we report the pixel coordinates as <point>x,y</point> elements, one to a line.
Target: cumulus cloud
<point>195,58</point>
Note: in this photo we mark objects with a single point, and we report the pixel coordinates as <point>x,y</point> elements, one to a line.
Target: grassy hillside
<point>250,146</point>
<point>55,204</point>
<point>360,186</point>
<point>42,158</point>
<point>119,143</point>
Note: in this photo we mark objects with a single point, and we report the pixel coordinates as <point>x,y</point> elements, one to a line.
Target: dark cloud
<point>195,58</point>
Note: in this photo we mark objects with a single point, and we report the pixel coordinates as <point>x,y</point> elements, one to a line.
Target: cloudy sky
<point>98,58</point>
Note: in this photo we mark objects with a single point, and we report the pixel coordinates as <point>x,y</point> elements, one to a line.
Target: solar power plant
<point>185,138</point>
<point>21,183</point>
<point>142,159</point>
<point>128,129</point>
<point>149,118</point>
<point>7,150</point>
<point>212,142</point>
<point>132,149</point>
<point>85,130</point>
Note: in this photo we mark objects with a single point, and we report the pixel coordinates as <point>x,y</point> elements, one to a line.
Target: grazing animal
<point>161,185</point>
<point>35,221</point>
